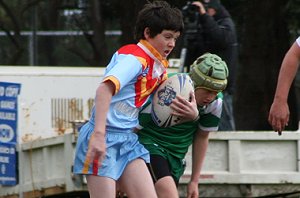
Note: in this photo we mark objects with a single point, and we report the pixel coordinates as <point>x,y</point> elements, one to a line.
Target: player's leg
<point>101,187</point>
<point>165,185</point>
<point>136,180</point>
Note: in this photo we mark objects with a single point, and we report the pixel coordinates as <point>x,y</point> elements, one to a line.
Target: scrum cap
<point>210,72</point>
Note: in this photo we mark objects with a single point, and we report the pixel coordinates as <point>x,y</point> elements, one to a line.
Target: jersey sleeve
<point>123,70</point>
<point>210,117</point>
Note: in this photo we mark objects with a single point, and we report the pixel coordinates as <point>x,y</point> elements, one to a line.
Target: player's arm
<point>279,112</point>
<point>97,145</point>
<point>200,145</point>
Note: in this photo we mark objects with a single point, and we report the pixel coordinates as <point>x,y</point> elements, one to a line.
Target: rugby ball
<point>178,84</point>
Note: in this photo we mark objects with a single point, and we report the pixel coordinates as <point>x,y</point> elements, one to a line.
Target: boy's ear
<point>147,33</point>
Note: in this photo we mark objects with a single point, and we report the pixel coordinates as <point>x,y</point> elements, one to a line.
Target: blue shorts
<point>121,148</point>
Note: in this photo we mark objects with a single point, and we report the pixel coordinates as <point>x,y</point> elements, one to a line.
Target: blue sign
<point>8,132</point>
<point>9,111</point>
<point>8,164</point>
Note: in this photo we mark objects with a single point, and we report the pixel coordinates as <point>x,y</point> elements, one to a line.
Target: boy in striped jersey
<point>168,146</point>
<point>107,149</point>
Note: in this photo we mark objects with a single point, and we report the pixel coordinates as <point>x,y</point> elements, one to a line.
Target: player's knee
<point>166,188</point>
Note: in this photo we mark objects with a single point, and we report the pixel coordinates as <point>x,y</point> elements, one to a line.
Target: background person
<point>279,111</point>
<point>107,150</point>
<point>168,146</point>
<point>212,30</point>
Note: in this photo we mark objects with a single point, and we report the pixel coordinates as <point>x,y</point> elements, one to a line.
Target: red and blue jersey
<point>136,71</point>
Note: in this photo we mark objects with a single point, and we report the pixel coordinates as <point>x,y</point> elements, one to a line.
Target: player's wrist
<point>99,134</point>
<point>194,181</point>
<point>197,116</point>
<point>280,99</point>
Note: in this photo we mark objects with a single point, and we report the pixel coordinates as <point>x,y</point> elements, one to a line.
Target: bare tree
<point>8,23</point>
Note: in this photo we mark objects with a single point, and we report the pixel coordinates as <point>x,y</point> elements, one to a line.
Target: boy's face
<point>164,42</point>
<point>204,96</point>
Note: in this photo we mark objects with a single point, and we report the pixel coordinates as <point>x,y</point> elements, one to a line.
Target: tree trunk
<point>128,19</point>
<point>49,22</point>
<point>264,42</point>
<point>99,46</point>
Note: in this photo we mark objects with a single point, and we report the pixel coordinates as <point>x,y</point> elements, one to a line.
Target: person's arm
<point>97,145</point>
<point>200,145</point>
<point>279,111</point>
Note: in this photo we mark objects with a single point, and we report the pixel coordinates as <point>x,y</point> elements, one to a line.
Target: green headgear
<point>210,72</point>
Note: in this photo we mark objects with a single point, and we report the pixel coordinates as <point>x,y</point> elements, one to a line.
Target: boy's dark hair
<point>158,16</point>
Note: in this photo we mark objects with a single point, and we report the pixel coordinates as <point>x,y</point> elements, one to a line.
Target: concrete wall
<point>249,163</point>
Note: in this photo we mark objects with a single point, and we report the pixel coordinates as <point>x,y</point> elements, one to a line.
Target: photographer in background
<point>210,28</point>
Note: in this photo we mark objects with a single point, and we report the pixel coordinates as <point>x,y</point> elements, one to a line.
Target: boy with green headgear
<point>168,146</point>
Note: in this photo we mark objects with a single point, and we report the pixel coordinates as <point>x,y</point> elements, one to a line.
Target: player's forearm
<point>102,102</point>
<point>199,150</point>
<point>287,73</point>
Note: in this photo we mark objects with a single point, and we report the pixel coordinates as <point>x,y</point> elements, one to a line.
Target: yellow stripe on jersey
<point>86,164</point>
<point>142,61</point>
<point>115,81</point>
<point>144,91</point>
<point>87,160</point>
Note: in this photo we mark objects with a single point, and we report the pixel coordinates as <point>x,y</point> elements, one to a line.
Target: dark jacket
<point>216,35</point>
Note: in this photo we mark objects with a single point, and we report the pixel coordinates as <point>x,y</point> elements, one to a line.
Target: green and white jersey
<point>176,140</point>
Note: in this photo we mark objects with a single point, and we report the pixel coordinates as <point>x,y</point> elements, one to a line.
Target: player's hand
<point>97,149</point>
<point>200,6</point>
<point>185,109</point>
<point>192,190</point>
<point>279,115</point>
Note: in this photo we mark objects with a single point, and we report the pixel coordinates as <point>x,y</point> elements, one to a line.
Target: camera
<point>192,25</point>
<point>192,35</point>
<point>189,12</point>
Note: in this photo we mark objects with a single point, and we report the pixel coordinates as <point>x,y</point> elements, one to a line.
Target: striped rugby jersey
<point>136,71</point>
